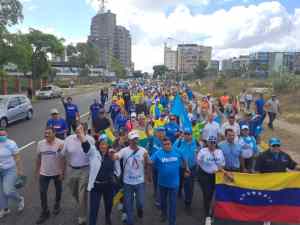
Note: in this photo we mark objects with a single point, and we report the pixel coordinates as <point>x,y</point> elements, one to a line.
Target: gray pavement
<point>28,131</point>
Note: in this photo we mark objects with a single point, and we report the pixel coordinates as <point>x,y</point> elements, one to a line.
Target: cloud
<point>239,30</point>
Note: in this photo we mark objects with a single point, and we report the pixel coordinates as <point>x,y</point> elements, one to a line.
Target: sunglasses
<point>212,142</point>
<point>275,145</point>
<point>185,133</point>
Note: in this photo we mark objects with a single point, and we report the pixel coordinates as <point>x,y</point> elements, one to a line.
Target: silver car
<point>14,108</point>
<point>50,91</point>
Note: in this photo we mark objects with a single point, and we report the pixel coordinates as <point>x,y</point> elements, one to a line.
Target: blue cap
<point>187,130</point>
<point>160,129</point>
<point>274,141</point>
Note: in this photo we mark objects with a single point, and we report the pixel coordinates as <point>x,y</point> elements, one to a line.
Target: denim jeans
<point>44,184</point>
<point>155,185</point>
<point>168,201</point>
<point>129,191</point>
<point>7,187</point>
<point>188,185</point>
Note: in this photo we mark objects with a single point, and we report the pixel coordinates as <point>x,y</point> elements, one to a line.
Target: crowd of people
<point>137,137</point>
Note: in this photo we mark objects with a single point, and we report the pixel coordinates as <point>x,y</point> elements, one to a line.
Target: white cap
<point>133,115</point>
<point>54,111</point>
<point>245,127</point>
<point>133,134</point>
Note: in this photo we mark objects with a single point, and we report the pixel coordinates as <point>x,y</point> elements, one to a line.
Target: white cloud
<point>238,30</point>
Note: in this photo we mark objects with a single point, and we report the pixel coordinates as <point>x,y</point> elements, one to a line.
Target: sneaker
<point>43,217</point>
<point>120,207</point>
<point>163,218</point>
<point>140,213</point>
<point>21,204</point>
<point>4,212</point>
<point>208,221</point>
<point>81,221</point>
<point>124,217</point>
<point>56,209</point>
<point>267,223</point>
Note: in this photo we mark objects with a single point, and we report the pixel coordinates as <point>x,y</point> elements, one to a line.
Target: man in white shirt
<point>49,166</point>
<point>231,124</point>
<point>134,164</point>
<point>273,109</point>
<point>79,169</point>
<point>212,128</point>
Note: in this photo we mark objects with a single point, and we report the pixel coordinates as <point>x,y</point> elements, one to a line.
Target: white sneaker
<point>208,221</point>
<point>21,204</point>
<point>267,223</point>
<point>81,220</point>
<point>4,212</point>
<point>124,217</point>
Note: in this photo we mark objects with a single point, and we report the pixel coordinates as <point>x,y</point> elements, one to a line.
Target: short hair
<point>228,130</point>
<point>50,128</point>
<point>84,125</point>
<point>166,139</point>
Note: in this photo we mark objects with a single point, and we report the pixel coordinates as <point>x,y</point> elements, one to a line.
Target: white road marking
<point>27,145</point>
<point>33,142</point>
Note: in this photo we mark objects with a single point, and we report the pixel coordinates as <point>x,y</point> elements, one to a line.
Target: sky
<point>231,27</point>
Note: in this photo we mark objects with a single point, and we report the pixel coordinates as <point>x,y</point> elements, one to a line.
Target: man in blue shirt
<point>172,128</point>
<point>114,109</point>
<point>94,110</point>
<point>232,153</point>
<point>58,124</point>
<point>260,107</point>
<point>72,114</point>
<point>155,144</point>
<point>168,162</point>
<point>188,151</point>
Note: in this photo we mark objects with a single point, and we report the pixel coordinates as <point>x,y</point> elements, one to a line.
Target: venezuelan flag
<point>271,197</point>
<point>110,135</point>
<point>143,140</point>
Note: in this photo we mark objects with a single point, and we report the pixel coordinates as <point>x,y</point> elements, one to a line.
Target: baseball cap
<point>245,127</point>
<point>187,130</point>
<point>133,134</point>
<point>54,111</point>
<point>212,139</point>
<point>160,129</point>
<point>274,141</point>
<point>133,115</point>
<point>103,137</point>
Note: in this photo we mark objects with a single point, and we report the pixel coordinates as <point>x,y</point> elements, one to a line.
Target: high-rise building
<point>188,56</point>
<point>110,39</point>
<point>170,58</point>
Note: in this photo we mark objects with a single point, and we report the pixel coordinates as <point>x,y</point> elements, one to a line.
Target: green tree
<point>200,69</point>
<point>83,54</point>
<point>42,45</point>
<point>10,13</point>
<point>118,68</point>
<point>159,71</point>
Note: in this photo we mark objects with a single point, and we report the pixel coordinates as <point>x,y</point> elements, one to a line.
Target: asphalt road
<point>26,132</point>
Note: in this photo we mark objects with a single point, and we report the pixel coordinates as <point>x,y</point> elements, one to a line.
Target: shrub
<point>285,83</point>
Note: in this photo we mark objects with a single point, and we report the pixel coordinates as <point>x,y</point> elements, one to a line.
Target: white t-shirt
<point>8,149</point>
<point>134,165</point>
<point>51,164</point>
<point>235,127</point>
<point>209,161</point>
<point>73,150</point>
<point>211,129</point>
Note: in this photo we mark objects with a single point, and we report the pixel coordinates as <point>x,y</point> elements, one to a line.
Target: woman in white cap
<point>249,148</point>
<point>10,168</point>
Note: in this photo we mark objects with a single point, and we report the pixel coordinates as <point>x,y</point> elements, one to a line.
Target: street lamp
<point>181,56</point>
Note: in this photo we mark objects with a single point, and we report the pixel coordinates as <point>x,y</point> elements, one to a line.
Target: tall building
<point>189,55</point>
<point>110,39</point>
<point>170,58</point>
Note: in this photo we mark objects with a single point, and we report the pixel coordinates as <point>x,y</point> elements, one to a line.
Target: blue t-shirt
<point>260,103</point>
<point>94,108</point>
<point>59,125</point>
<point>114,110</point>
<point>232,154</point>
<point>154,144</point>
<point>71,110</point>
<point>8,149</point>
<point>171,129</point>
<point>168,165</point>
<point>188,152</point>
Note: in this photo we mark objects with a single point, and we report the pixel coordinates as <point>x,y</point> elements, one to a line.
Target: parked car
<point>14,108</point>
<point>50,91</point>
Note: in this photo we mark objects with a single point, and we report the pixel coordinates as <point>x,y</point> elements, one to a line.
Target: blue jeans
<point>7,187</point>
<point>168,201</point>
<point>155,185</point>
<point>188,185</point>
<point>129,191</point>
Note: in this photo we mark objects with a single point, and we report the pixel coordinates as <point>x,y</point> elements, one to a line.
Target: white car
<point>50,91</point>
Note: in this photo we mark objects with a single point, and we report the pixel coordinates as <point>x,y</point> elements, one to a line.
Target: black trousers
<point>71,123</point>
<point>207,184</point>
<point>272,117</point>
<point>44,184</point>
<point>99,190</point>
